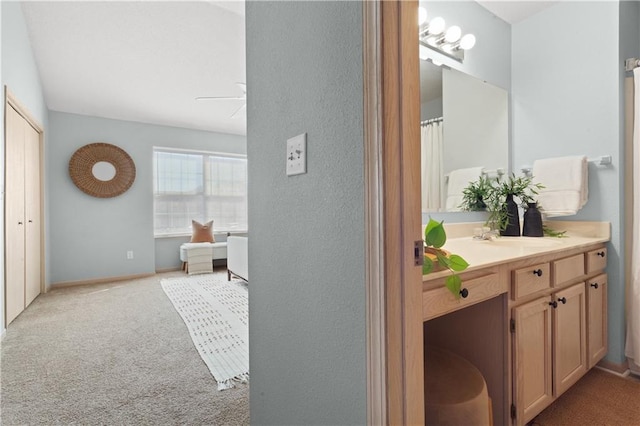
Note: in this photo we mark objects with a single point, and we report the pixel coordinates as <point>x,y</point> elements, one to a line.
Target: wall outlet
<point>129,254</point>
<point>297,155</point>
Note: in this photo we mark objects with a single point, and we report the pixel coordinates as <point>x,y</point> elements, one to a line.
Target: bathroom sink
<point>524,242</point>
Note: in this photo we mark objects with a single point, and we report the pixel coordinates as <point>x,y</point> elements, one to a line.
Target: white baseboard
<point>99,280</point>
<point>615,373</point>
<point>161,270</point>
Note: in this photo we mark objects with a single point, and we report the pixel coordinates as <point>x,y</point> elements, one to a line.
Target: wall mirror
<point>102,170</point>
<point>464,106</point>
<point>464,131</point>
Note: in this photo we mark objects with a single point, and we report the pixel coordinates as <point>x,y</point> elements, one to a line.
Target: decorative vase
<point>532,221</point>
<point>480,204</point>
<point>513,221</point>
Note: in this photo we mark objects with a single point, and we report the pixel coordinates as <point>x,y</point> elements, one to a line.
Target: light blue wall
<point>307,306</point>
<point>20,75</point>
<point>566,101</point>
<point>90,236</point>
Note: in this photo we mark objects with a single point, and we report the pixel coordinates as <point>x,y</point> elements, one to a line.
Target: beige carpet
<point>599,398</point>
<point>116,354</point>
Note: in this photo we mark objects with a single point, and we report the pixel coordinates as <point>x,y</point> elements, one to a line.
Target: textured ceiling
<point>142,61</point>
<point>516,10</point>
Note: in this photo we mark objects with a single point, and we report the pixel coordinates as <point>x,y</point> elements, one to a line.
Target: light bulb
<point>453,34</point>
<point>432,41</point>
<point>447,47</point>
<point>422,15</point>
<point>467,41</point>
<point>436,26</point>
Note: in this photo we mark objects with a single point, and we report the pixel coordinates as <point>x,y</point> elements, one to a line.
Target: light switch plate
<point>297,155</point>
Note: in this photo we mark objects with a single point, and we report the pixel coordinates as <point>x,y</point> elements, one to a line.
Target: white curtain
<point>632,350</point>
<point>432,178</point>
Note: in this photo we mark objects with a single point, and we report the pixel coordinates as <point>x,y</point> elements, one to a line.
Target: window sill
<point>172,236</point>
<point>188,235</point>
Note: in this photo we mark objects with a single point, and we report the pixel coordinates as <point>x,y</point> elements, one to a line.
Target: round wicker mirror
<point>87,170</point>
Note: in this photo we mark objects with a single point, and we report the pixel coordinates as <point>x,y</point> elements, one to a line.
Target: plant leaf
<point>432,224</point>
<point>427,266</point>
<point>434,234</point>
<point>443,259</point>
<point>457,263</point>
<point>453,283</point>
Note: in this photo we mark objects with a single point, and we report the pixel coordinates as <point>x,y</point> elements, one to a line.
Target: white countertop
<point>484,253</point>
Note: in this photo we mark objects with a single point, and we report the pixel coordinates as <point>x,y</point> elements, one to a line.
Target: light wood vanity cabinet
<point>596,260</point>
<point>597,319</point>
<point>558,332</point>
<point>530,280</point>
<point>533,325</point>
<point>439,301</point>
<point>549,348</point>
<point>532,375</point>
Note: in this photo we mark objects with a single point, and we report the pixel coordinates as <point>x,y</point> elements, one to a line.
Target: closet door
<point>14,215</point>
<point>32,213</point>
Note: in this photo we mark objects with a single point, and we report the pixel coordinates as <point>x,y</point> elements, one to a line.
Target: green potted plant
<point>475,195</point>
<point>503,209</point>
<point>436,258</point>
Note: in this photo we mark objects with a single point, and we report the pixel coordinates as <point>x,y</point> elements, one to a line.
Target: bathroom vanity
<point>531,315</point>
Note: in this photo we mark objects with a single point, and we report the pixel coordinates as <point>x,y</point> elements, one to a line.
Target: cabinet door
<point>570,345</point>
<point>532,359</point>
<point>32,213</point>
<point>14,216</point>
<point>597,319</point>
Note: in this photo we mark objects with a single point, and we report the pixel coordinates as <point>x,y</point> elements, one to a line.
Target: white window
<point>201,186</point>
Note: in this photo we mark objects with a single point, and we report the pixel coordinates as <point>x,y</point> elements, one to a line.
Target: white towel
<point>458,180</point>
<point>566,184</point>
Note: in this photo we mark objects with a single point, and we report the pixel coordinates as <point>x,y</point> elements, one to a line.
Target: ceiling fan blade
<point>238,110</point>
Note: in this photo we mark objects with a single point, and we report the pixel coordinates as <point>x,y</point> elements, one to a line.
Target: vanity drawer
<point>529,280</point>
<point>440,301</point>
<point>565,270</point>
<point>596,260</point>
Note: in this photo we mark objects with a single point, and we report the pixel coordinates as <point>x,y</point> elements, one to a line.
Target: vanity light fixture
<point>448,41</point>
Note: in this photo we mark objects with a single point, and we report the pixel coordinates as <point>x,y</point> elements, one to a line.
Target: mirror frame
<point>81,170</point>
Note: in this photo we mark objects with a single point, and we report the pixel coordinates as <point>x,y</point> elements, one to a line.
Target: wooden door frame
<point>395,369</point>
<point>11,101</point>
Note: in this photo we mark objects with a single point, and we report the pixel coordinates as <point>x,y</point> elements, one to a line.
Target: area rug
<point>216,314</point>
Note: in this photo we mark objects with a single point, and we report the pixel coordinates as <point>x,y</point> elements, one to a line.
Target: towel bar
<point>604,160</point>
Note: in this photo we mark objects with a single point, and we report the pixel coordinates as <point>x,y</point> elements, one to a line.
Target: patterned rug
<point>216,314</point>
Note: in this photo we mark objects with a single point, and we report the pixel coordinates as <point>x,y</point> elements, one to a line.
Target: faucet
<point>484,233</point>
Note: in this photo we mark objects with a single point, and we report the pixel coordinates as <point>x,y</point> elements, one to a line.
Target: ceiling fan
<point>243,97</point>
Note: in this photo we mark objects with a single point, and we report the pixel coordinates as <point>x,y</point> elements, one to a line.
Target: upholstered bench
<point>202,252</point>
